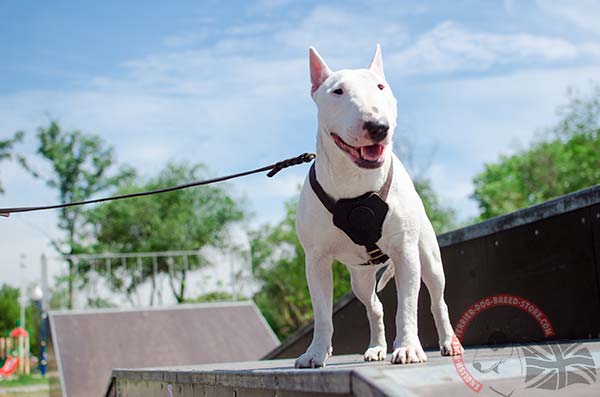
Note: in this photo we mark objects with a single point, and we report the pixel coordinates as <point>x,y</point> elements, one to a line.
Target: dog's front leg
<point>320,285</point>
<point>407,346</point>
<point>364,287</point>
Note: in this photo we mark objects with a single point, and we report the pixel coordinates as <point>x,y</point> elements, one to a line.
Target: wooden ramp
<point>574,373</point>
<point>89,344</point>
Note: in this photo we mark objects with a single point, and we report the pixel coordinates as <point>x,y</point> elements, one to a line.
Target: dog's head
<point>357,109</point>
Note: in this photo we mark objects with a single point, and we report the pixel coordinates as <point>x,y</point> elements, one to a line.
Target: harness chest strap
<point>361,218</point>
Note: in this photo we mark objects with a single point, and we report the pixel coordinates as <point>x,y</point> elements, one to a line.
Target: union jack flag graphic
<point>554,366</point>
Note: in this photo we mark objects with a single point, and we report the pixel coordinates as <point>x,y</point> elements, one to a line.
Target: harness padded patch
<point>361,218</point>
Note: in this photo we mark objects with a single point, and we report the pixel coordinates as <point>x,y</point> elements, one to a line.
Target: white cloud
<point>474,120</point>
<point>454,187</point>
<point>584,14</point>
<point>498,109</point>
<point>339,34</point>
<point>281,187</point>
<point>449,47</point>
<point>241,63</point>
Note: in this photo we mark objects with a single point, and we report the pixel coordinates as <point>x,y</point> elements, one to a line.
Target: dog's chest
<point>318,232</point>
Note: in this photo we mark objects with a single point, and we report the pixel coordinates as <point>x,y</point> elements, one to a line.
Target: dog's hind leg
<point>320,284</point>
<point>363,285</point>
<point>432,273</point>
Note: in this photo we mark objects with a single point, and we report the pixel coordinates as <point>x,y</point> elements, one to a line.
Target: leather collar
<point>329,202</point>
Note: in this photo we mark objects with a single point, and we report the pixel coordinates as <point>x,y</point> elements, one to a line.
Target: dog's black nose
<point>377,131</point>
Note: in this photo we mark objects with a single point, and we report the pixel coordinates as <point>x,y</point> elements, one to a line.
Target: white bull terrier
<point>356,120</point>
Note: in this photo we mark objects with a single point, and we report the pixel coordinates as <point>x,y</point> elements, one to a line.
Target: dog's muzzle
<point>369,156</point>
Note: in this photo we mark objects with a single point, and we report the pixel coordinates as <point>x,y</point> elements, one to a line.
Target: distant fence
<point>155,278</point>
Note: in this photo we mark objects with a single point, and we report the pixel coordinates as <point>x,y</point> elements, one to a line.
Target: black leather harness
<point>361,218</point>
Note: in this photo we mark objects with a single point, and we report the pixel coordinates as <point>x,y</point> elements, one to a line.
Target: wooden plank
<point>550,263</point>
<point>436,377</point>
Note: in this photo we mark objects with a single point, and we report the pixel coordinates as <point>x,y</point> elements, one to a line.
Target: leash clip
<point>303,158</point>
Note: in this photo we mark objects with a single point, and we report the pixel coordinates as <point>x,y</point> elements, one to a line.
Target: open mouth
<point>370,156</point>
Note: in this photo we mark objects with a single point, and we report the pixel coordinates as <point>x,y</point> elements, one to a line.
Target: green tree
<point>6,148</point>
<point>182,220</point>
<point>442,218</point>
<point>33,324</point>
<point>278,263</point>
<point>10,313</point>
<point>562,160</point>
<point>9,308</point>
<point>219,296</point>
<point>80,168</point>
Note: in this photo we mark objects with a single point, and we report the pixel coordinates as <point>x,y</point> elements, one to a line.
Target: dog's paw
<point>409,354</point>
<point>451,347</point>
<point>376,353</point>
<point>313,358</point>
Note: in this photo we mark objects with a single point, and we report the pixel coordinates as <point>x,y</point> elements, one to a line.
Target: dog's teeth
<point>364,152</point>
<point>372,152</point>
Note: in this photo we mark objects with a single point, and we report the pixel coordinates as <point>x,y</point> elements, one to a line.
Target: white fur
<point>408,237</point>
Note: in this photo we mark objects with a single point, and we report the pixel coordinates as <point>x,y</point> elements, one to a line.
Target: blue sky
<point>226,83</point>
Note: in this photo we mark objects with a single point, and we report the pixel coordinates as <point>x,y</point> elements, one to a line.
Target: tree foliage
<point>217,296</point>
<point>564,159</point>
<point>418,163</point>
<point>9,308</point>
<point>182,220</point>
<point>442,218</point>
<point>80,167</point>
<point>6,149</point>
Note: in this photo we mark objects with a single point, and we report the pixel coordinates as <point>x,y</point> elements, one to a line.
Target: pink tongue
<point>372,152</point>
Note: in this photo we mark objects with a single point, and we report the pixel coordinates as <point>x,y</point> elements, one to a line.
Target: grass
<point>23,380</point>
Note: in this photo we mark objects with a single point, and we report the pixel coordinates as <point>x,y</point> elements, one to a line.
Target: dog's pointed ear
<point>319,71</point>
<point>376,65</point>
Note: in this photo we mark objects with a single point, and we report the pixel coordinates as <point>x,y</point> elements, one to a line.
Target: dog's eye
<point>339,91</point>
<point>380,86</point>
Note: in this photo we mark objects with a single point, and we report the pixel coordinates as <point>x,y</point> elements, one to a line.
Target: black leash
<point>274,169</point>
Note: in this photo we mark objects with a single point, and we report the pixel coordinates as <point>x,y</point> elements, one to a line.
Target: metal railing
<point>156,278</point>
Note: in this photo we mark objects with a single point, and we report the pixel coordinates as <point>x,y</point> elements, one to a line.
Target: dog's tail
<point>384,275</point>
